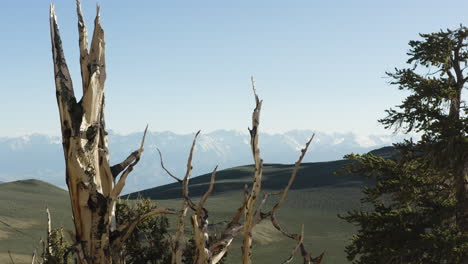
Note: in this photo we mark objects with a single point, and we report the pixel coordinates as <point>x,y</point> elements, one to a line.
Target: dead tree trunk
<point>211,251</point>
<point>93,184</point>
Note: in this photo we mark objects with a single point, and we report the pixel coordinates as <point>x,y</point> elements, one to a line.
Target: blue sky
<point>186,65</point>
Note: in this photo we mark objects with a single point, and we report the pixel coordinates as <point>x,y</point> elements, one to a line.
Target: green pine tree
<point>417,211</point>
<point>55,250</point>
<point>150,242</point>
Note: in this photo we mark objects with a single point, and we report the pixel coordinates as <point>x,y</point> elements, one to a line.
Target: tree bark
<point>460,159</point>
<point>91,182</point>
<point>257,181</point>
<point>210,250</point>
<point>462,197</point>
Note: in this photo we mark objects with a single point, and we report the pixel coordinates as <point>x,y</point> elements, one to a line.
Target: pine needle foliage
<point>149,243</point>
<point>417,210</point>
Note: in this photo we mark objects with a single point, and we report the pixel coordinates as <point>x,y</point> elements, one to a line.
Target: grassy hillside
<point>23,216</point>
<point>317,196</point>
<point>275,177</point>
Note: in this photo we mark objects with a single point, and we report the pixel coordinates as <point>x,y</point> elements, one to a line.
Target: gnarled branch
<point>178,241</point>
<point>257,180</point>
<point>121,183</point>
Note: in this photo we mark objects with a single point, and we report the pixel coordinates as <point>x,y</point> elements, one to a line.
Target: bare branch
<point>179,237</point>
<point>286,190</point>
<point>259,215</point>
<point>200,236</point>
<point>236,219</point>
<point>49,251</point>
<point>257,181</point>
<point>62,74</point>
<point>307,257</point>
<point>185,181</point>
<point>316,260</point>
<point>297,237</point>
<point>177,245</point>
<point>252,80</point>
<point>118,168</point>
<point>298,245</point>
<point>121,183</point>
<point>83,43</point>
<point>205,196</point>
<point>63,83</point>
<point>200,225</point>
<point>189,161</point>
<point>33,261</point>
<point>93,92</point>
<point>166,170</point>
<point>11,258</point>
<point>220,247</point>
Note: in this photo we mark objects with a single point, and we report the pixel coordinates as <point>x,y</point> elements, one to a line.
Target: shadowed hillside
<point>276,176</point>
<point>316,197</point>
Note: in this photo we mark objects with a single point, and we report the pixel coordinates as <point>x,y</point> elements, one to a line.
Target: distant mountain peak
<point>40,156</point>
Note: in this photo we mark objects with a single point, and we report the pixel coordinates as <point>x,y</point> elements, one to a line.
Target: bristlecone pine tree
<point>419,205</point>
<point>94,185</point>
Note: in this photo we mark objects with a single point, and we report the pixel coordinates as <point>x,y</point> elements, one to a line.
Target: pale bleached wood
<point>202,256</point>
<point>118,168</point>
<point>211,252</point>
<point>257,180</point>
<point>83,44</point>
<point>33,260</point>
<point>299,238</point>
<point>199,219</point>
<point>300,241</point>
<point>165,169</point>
<point>205,196</point>
<point>90,180</point>
<point>50,250</point>
<point>121,183</point>
<point>200,225</point>
<point>220,247</point>
<point>178,242</point>
<point>285,191</point>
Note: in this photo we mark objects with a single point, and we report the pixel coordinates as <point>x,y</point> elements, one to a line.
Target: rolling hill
<point>317,196</point>
<point>43,154</point>
<point>275,177</point>
<point>23,217</point>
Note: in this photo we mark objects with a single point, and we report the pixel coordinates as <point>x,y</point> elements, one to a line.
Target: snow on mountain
<point>40,156</point>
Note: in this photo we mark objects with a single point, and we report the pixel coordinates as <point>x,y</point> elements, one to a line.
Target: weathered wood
<point>257,181</point>
<point>200,225</point>
<point>220,247</point>
<point>178,242</point>
<point>299,238</point>
<point>49,249</point>
<point>212,250</point>
<point>90,179</point>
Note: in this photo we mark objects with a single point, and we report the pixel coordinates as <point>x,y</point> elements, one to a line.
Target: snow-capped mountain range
<point>40,156</point>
